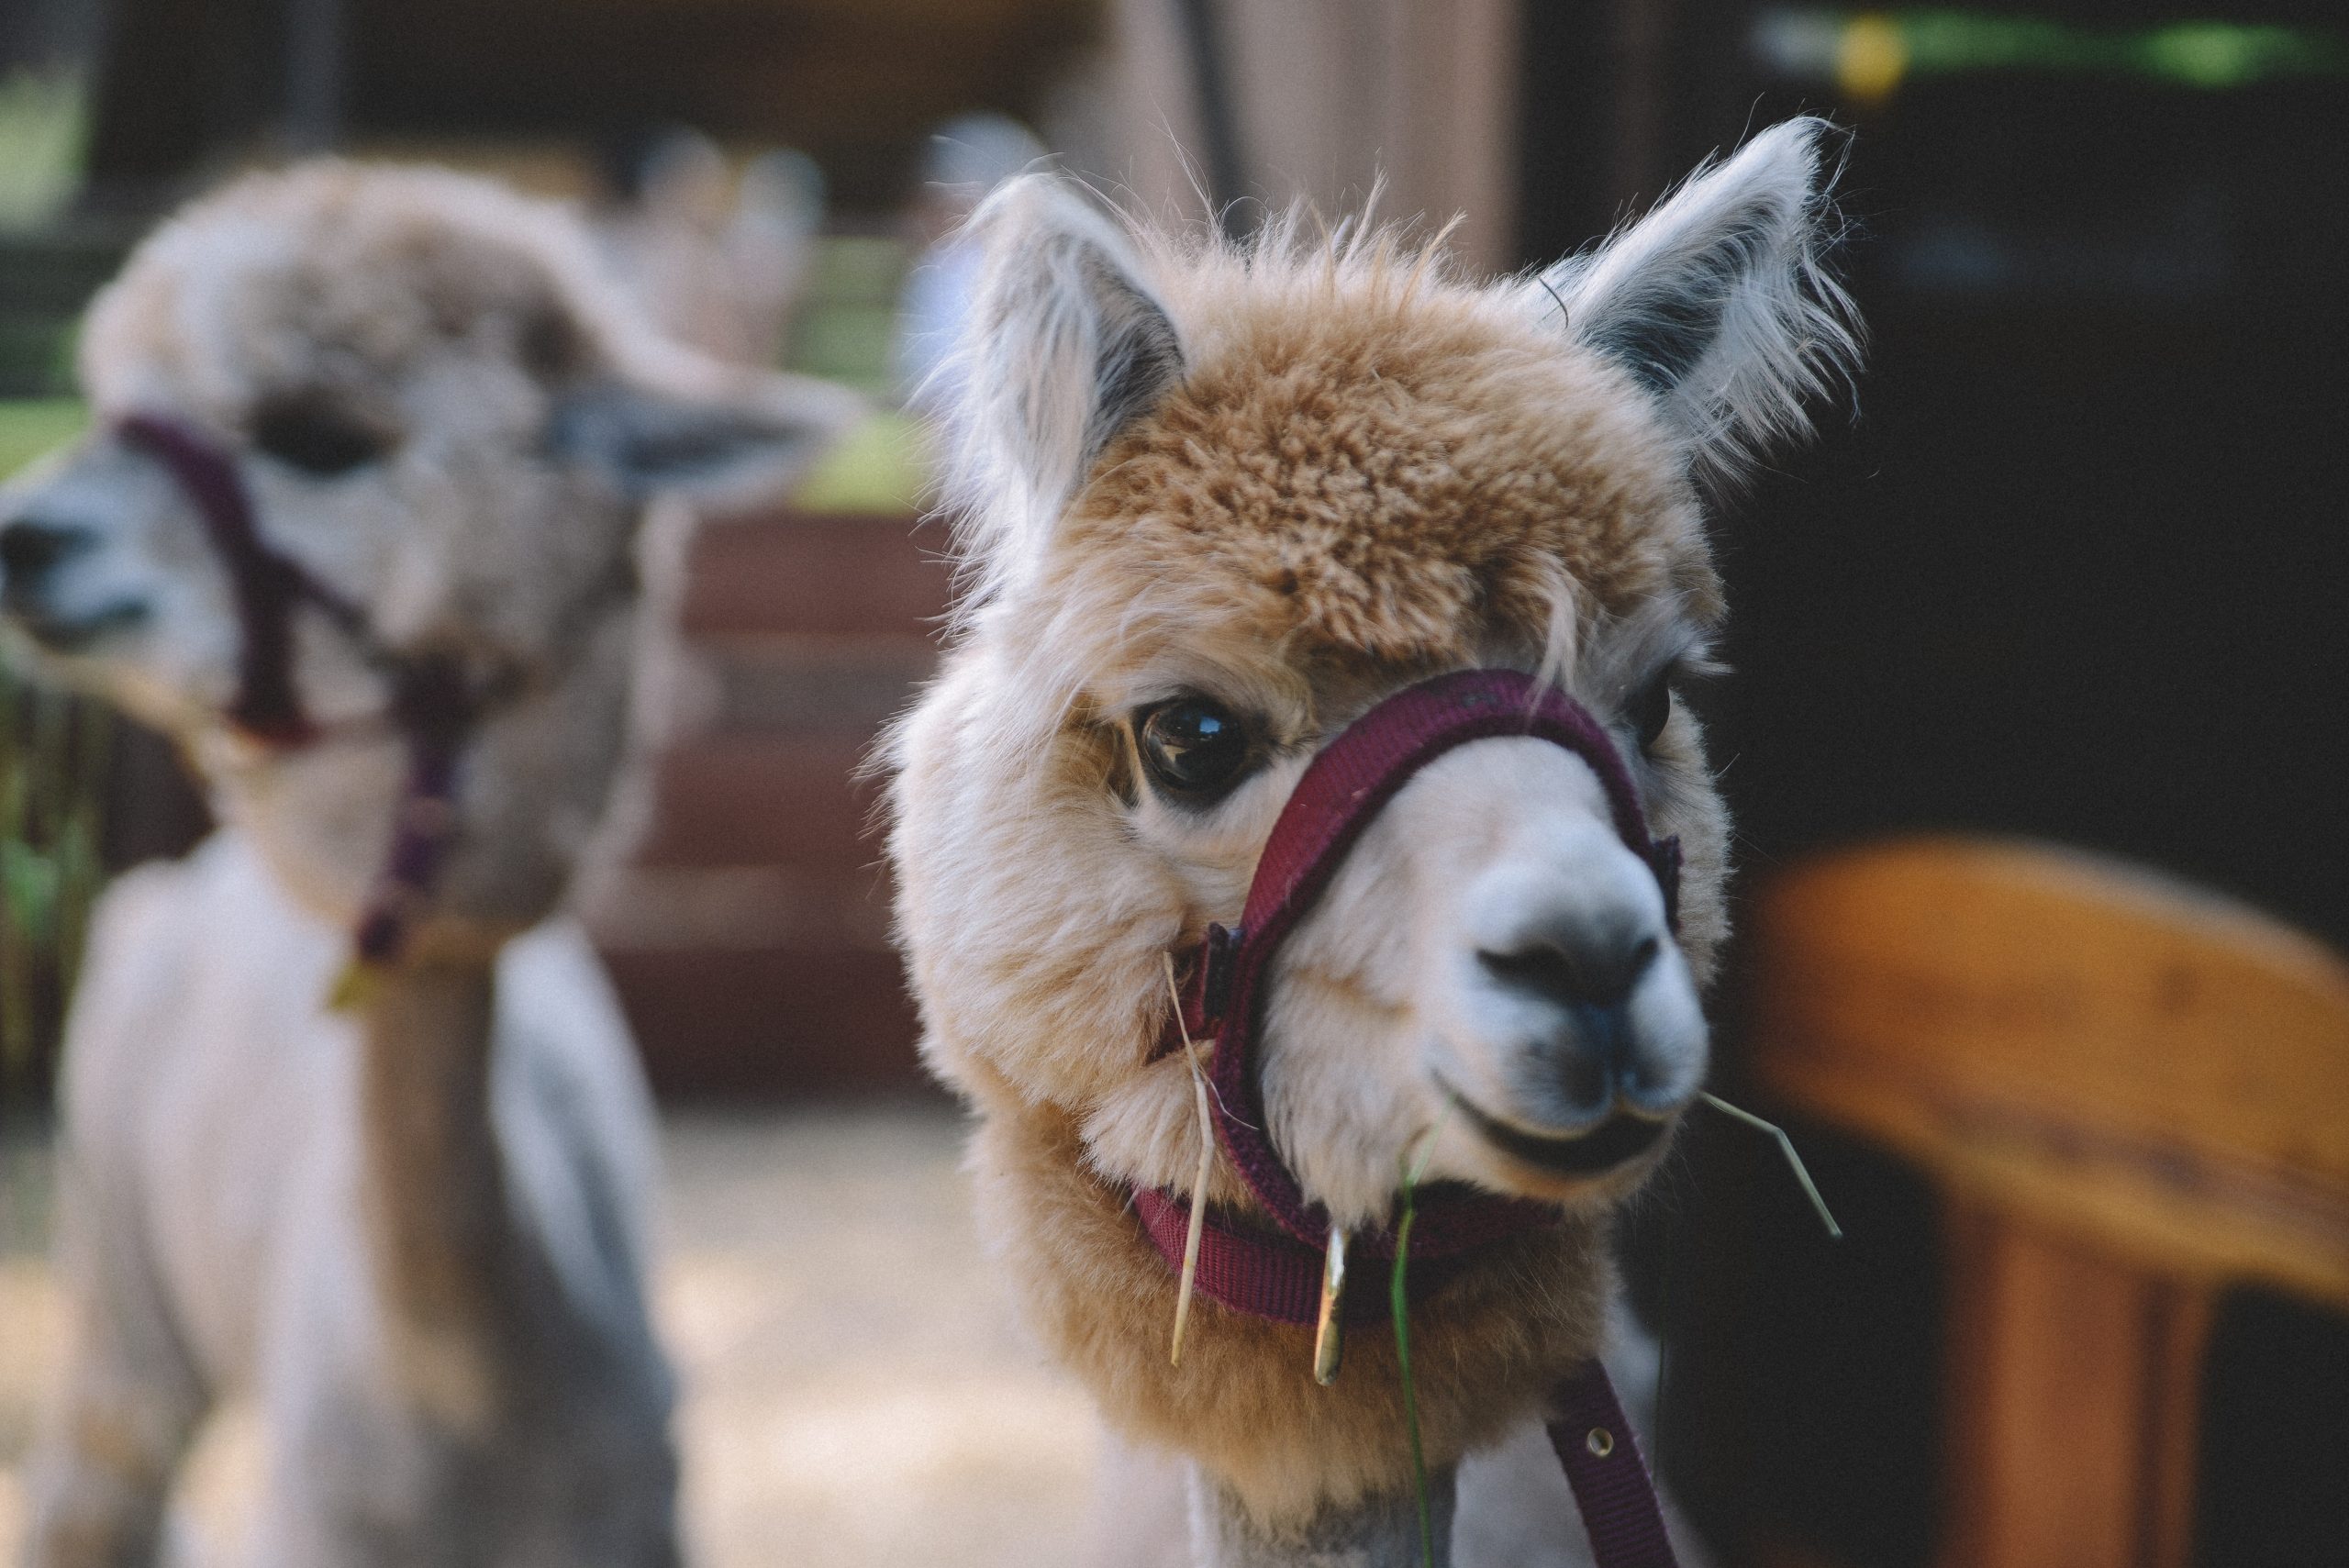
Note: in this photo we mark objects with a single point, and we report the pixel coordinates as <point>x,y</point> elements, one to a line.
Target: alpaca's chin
<point>1514,1178</point>
<point>78,635</point>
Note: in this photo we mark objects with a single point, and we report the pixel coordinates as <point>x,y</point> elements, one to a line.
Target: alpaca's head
<point>1220,503</point>
<point>438,410</point>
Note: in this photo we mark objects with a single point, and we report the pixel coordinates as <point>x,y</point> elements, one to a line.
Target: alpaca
<point>411,1222</point>
<point>1215,503</point>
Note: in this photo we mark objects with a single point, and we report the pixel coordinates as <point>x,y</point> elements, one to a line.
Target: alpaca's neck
<point>1377,1532</point>
<point>439,1236</point>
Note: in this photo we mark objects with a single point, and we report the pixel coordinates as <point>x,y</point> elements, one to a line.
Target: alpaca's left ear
<point>729,438</point>
<point>1719,300</point>
<point>1064,346</point>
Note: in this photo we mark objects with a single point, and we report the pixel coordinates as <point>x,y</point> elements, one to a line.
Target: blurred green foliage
<point>53,788</point>
<point>848,317</point>
<point>876,467</point>
<point>34,426</point>
<point>43,126</point>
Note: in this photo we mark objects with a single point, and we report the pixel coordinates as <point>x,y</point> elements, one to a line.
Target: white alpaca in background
<point>415,1227</point>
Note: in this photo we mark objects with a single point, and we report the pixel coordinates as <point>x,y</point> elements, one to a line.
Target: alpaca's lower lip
<point>1621,1138</point>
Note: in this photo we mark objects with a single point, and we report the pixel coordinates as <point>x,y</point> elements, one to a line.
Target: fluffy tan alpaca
<point>1218,504</point>
<point>416,1230</point>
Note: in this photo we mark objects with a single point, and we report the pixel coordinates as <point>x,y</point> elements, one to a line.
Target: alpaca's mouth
<point>74,634</point>
<point>1621,1138</point>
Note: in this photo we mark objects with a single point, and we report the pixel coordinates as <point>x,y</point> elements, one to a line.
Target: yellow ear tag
<point>352,987</point>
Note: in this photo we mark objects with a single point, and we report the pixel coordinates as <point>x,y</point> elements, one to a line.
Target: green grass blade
<point>1400,1305</point>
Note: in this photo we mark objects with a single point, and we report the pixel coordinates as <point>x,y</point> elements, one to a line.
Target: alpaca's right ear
<point>720,437</point>
<point>1064,346</point>
<point>1720,301</point>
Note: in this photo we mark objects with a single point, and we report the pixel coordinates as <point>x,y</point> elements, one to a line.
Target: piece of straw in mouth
<point>1206,1168</point>
<point>1787,1148</point>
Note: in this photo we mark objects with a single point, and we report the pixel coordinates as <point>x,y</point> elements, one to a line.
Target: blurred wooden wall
<point>748,935</point>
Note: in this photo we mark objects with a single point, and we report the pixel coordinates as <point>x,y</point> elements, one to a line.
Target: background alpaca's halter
<point>1278,1274</point>
<point>432,705</point>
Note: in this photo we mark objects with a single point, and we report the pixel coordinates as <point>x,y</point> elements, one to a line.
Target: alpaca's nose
<point>1587,972</point>
<point>1577,966</point>
<point>31,548</point>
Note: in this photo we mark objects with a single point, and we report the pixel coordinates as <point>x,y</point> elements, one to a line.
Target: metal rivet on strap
<point>1600,1442</point>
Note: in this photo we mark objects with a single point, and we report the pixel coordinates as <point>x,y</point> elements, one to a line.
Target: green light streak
<point>2205,56</point>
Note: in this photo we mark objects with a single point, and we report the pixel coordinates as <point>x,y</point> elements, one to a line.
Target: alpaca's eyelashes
<point>1649,707</point>
<point>1193,748</point>
<point>316,436</point>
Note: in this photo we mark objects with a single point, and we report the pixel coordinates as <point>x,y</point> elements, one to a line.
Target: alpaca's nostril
<point>1590,1060</point>
<point>29,547</point>
<point>1575,972</point>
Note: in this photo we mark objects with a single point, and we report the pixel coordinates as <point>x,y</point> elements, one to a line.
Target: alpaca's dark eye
<point>1649,707</point>
<point>1193,748</point>
<point>317,437</point>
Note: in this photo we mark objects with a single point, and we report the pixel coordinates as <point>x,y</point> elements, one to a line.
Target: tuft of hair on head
<point>1065,343</point>
<point>1720,303</point>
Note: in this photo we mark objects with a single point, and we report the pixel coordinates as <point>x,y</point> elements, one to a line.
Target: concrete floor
<point>855,1390</point>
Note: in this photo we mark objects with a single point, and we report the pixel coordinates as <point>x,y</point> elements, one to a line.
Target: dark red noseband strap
<point>1347,785</point>
<point>1593,1440</point>
<point>1267,1273</point>
<point>266,586</point>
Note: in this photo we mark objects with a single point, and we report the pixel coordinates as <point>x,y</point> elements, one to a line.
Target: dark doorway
<point>2078,568</point>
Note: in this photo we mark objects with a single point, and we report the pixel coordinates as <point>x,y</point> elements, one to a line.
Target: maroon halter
<point>267,586</point>
<point>430,703</point>
<point>1275,1272</point>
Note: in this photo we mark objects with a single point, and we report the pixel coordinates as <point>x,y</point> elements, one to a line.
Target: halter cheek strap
<point>266,586</point>
<point>431,706</point>
<point>1275,1272</point>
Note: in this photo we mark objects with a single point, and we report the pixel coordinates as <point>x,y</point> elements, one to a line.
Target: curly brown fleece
<point>1243,1402</point>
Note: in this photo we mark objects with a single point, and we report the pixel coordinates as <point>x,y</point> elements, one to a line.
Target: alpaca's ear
<point>1064,344</point>
<point>1719,300</point>
<point>734,439</point>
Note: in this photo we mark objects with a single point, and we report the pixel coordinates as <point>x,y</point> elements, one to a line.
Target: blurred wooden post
<point>1325,101</point>
<point>2133,1095</point>
<point>313,75</point>
<point>2073,1381</point>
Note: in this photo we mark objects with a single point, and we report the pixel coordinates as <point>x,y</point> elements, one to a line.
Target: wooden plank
<point>2072,1379</point>
<point>777,1022</point>
<point>847,574</point>
<point>2181,1343</point>
<point>2165,1070</point>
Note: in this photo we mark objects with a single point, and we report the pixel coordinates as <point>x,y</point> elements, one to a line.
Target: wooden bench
<point>2131,1094</point>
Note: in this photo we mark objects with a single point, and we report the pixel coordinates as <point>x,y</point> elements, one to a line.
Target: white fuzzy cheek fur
<point>1214,853</point>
